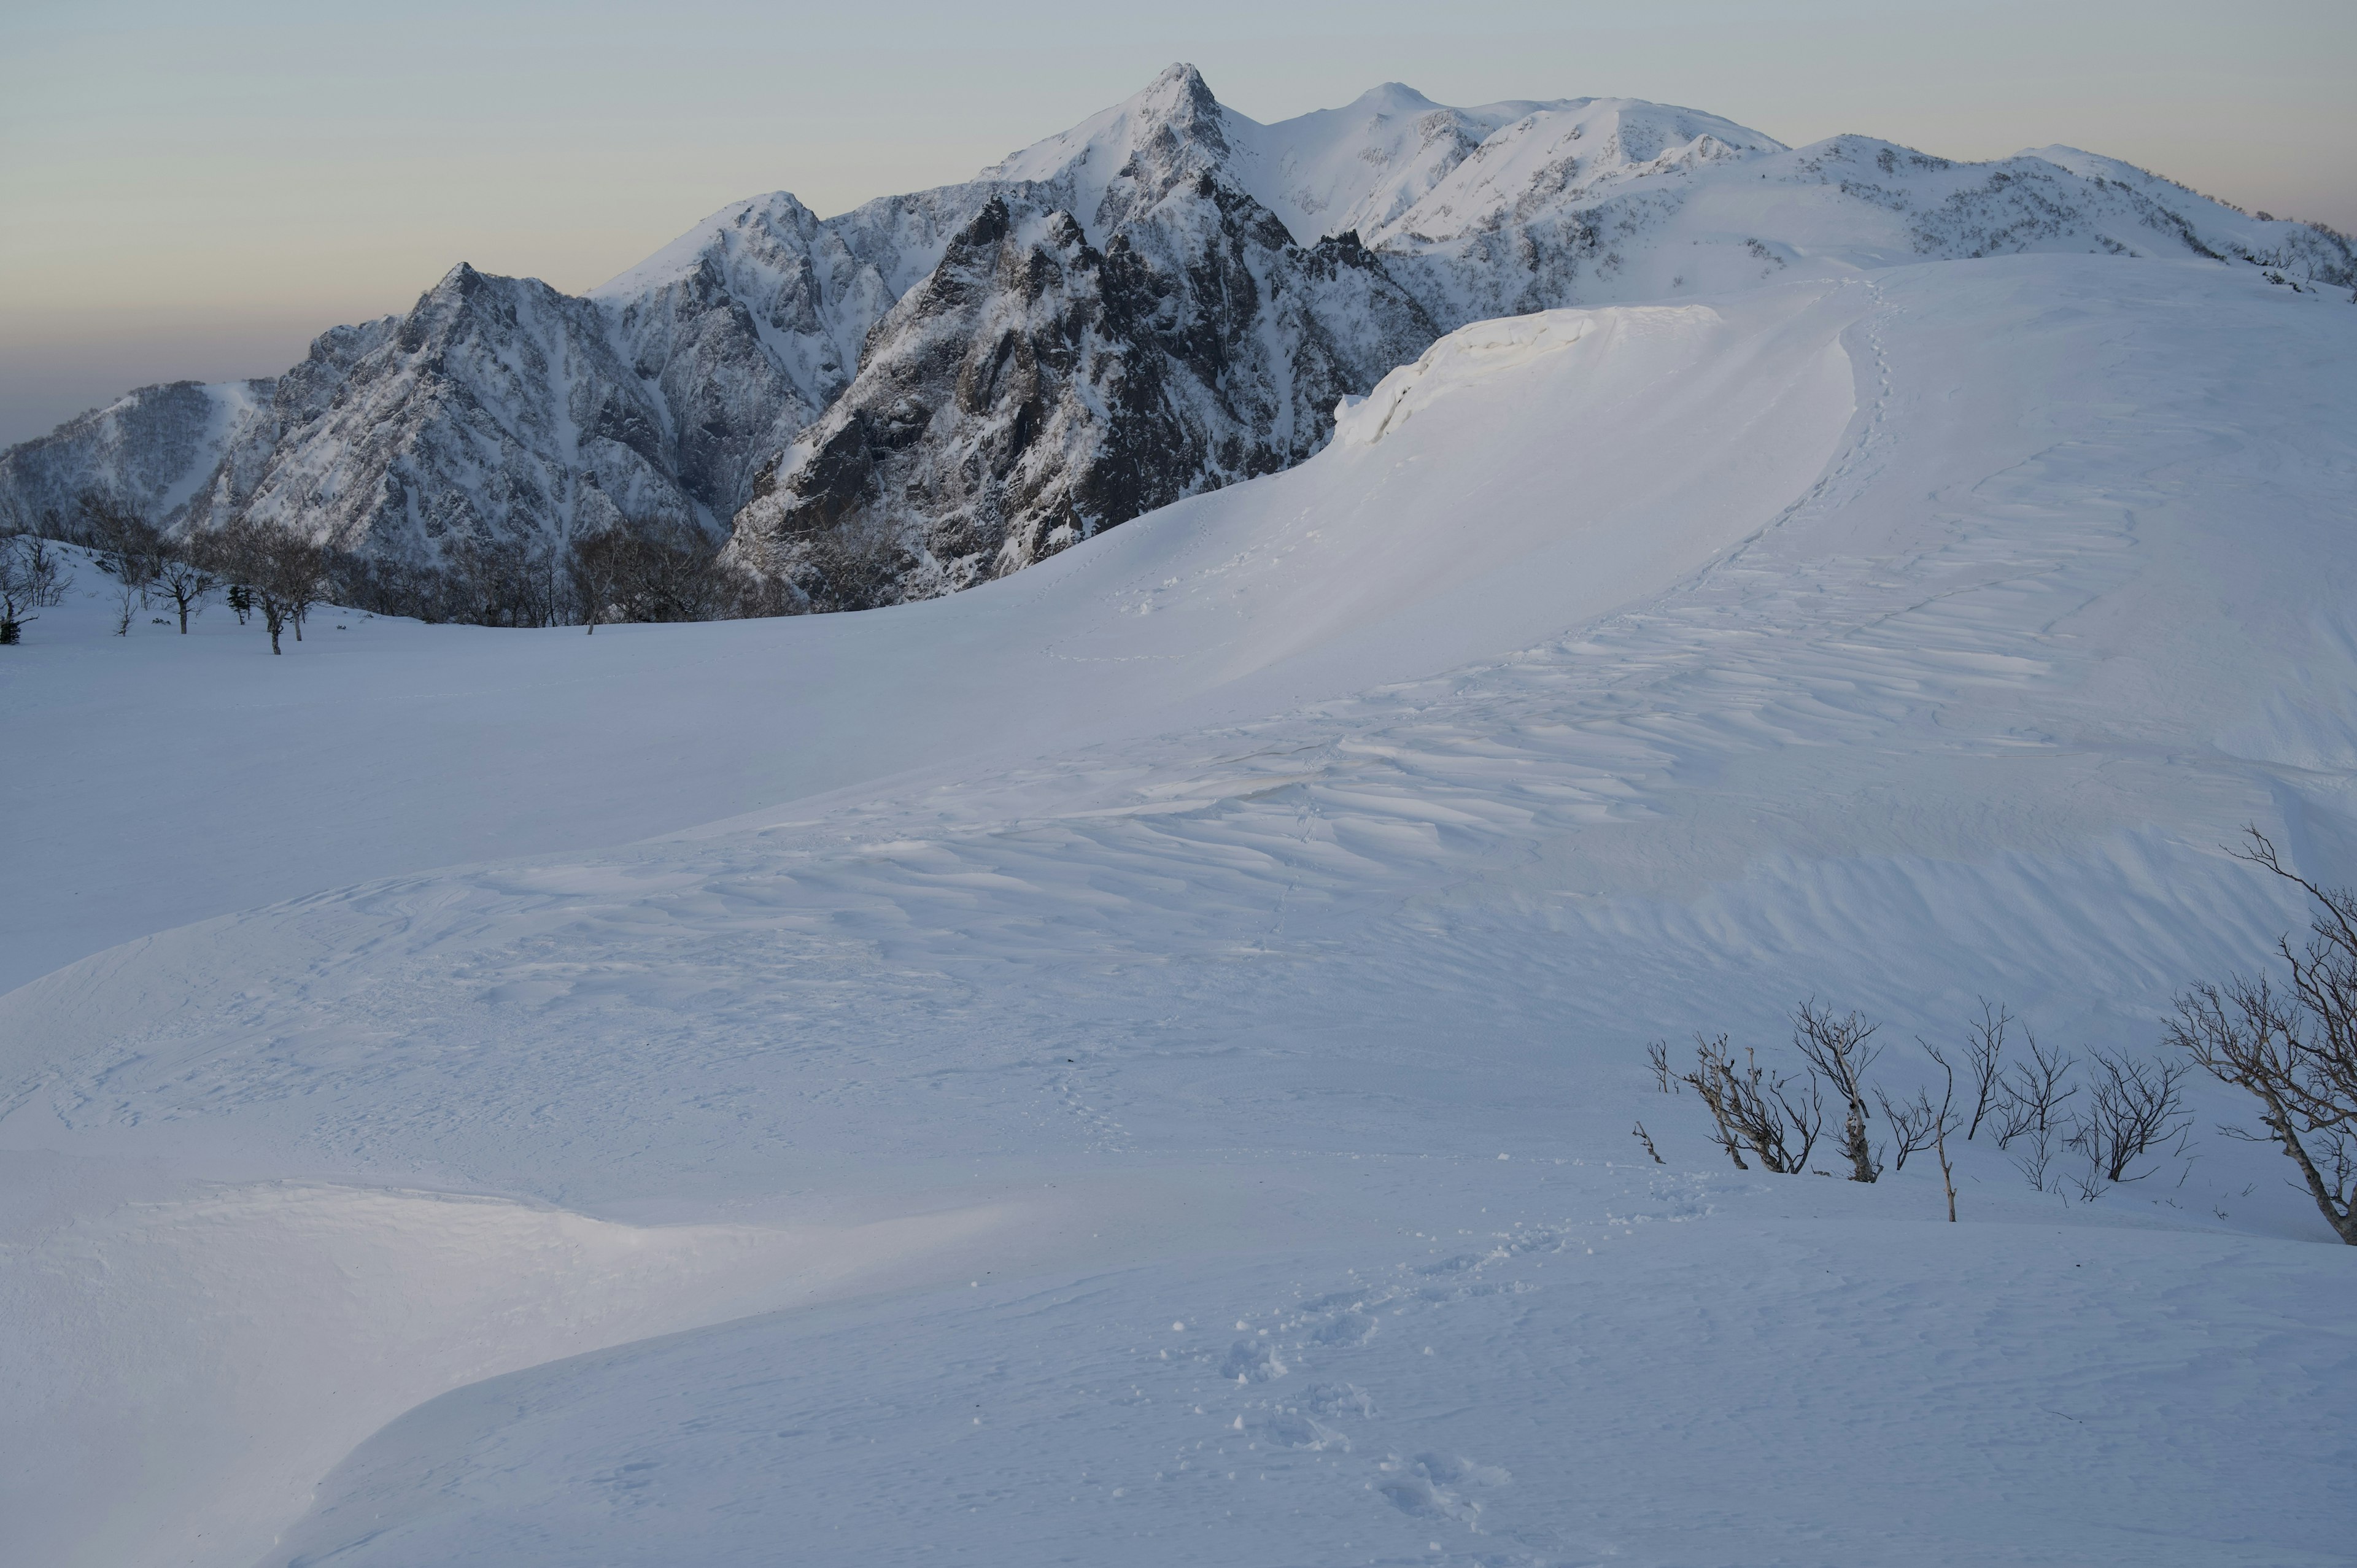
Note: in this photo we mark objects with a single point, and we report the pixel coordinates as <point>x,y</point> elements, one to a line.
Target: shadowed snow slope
<point>1194,992</point>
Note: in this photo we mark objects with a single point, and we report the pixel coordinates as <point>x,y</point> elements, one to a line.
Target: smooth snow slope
<point>1263,973</point>
<point>443,745</point>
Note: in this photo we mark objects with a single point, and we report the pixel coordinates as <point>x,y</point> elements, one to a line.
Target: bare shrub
<point>2131,1109</point>
<point>2296,1052</point>
<point>2030,1094</point>
<point>1838,1050</point>
<point>2028,1109</point>
<point>1769,1113</point>
<point>1657,1057</point>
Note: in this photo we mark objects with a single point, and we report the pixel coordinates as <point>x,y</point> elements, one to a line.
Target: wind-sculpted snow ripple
<point>1811,752</point>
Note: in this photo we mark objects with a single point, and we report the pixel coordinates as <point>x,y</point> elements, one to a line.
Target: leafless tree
<point>2035,1156</point>
<point>119,534</point>
<point>182,577</point>
<point>2030,1094</point>
<point>282,570</point>
<point>2028,1109</point>
<point>1647,1139</point>
<point>501,583</point>
<point>299,576</point>
<point>2132,1107</point>
<point>2296,1052</point>
<point>1769,1113</point>
<point>1837,1048</point>
<point>596,566</point>
<point>129,549</point>
<point>1942,1125</point>
<point>648,569</point>
<point>32,577</point>
<point>1984,1058</point>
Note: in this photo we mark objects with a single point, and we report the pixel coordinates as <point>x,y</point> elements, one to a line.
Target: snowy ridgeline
<point>1137,1062</point>
<point>937,388</point>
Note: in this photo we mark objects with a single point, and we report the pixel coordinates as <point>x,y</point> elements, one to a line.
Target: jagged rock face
<point>942,387</point>
<point>299,401</point>
<point>746,340</point>
<point>1037,389</point>
<point>495,411</point>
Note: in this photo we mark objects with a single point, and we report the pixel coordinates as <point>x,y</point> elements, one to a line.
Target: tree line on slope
<point>2292,1050</point>
<point>641,570</point>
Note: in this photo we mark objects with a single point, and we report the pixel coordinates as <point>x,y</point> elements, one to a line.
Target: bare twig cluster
<point>1773,1115</point>
<point>2295,1051</point>
<point>2132,1107</point>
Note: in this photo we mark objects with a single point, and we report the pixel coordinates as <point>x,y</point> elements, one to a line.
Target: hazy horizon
<point>198,200</point>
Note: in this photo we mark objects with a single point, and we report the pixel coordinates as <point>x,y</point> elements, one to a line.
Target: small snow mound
<point>1473,354</point>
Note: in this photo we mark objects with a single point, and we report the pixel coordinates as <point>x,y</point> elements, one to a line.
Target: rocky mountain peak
<point>1180,98</point>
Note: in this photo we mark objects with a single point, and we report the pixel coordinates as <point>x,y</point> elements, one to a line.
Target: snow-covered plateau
<point>1136,1061</point>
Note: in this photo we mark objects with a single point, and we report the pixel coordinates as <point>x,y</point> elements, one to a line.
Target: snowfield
<point>1134,1062</point>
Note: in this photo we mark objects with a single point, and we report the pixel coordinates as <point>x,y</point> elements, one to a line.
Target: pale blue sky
<point>195,190</point>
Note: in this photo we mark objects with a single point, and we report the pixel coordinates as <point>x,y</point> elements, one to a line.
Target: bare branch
<point>1657,1055</point>
<point>1837,1048</point>
<point>2030,1094</point>
<point>1983,1057</point>
<point>1767,1114</point>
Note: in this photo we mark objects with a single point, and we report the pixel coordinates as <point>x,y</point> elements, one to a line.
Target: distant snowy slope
<point>1225,953</point>
<point>157,446</point>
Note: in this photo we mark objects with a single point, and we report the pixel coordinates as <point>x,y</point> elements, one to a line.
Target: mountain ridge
<point>939,387</point>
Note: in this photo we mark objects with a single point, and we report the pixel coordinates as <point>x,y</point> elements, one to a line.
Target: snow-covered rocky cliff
<point>940,388</point>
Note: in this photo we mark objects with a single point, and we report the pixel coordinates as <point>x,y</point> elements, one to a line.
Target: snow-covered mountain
<point>940,388</point>
<point>1120,325</point>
